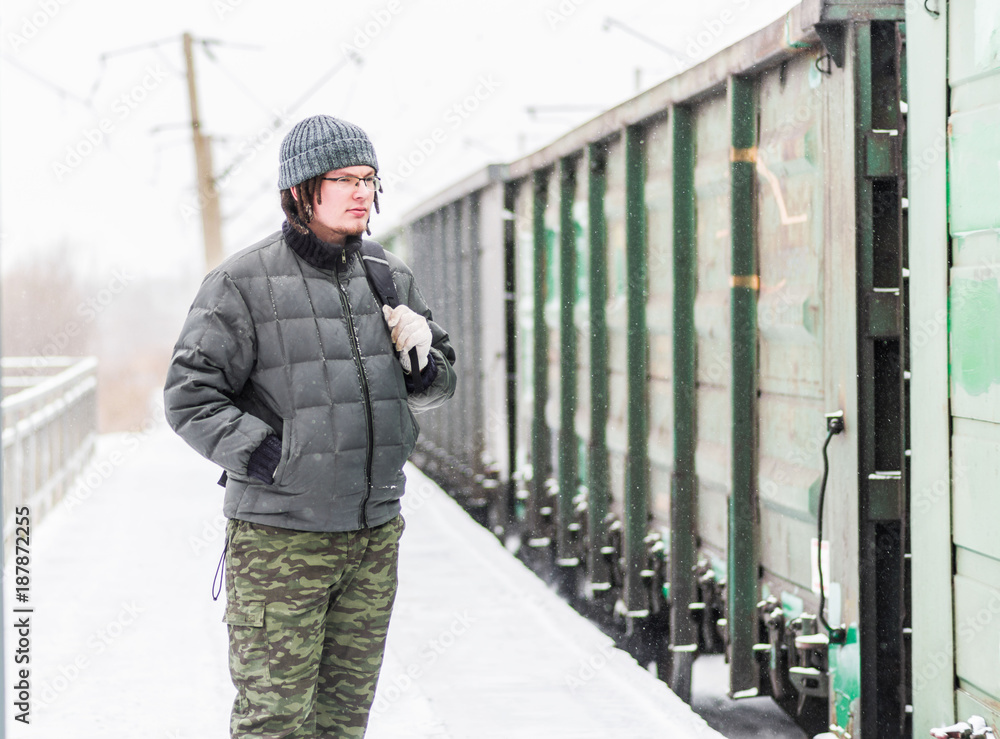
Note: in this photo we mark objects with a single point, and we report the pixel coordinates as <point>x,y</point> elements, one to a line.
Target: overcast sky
<point>96,155</point>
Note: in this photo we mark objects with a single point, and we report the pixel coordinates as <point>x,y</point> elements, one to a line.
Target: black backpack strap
<point>378,273</point>
<point>380,279</point>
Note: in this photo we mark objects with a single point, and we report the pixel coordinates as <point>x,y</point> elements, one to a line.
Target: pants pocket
<point>249,662</point>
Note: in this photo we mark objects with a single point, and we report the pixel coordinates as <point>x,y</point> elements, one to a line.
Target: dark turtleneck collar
<point>318,253</point>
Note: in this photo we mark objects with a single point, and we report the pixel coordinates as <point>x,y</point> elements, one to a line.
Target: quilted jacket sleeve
<point>211,362</point>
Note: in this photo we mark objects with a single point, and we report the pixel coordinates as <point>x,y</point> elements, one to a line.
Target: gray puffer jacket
<point>286,338</point>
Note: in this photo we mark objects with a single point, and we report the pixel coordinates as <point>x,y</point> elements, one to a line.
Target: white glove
<point>409,330</point>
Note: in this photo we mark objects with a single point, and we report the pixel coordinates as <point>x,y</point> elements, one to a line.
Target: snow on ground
<point>747,718</point>
<point>127,642</point>
<point>495,654</point>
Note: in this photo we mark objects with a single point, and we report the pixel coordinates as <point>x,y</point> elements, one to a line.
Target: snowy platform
<point>126,641</point>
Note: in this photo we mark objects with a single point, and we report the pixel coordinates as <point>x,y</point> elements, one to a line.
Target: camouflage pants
<point>308,614</point>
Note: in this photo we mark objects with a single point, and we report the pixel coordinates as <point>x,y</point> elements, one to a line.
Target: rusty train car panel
<point>659,309</point>
<point>711,315</point>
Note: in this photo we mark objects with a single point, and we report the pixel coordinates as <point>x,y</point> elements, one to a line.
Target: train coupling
<point>810,678</point>
<point>974,728</point>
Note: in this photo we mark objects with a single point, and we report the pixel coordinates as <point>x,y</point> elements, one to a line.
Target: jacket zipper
<point>365,392</point>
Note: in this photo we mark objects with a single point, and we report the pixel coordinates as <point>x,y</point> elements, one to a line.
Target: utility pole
<point>208,195</point>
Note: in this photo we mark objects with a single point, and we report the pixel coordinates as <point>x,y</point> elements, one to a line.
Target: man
<point>290,375</point>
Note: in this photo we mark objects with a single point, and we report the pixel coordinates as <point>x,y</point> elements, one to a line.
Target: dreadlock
<point>299,212</point>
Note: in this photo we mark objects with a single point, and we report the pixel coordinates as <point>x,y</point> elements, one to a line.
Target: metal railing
<point>49,431</point>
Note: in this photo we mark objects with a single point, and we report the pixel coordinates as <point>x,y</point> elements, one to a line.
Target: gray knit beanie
<point>320,144</point>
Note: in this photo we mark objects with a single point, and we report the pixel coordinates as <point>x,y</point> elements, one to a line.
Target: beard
<point>337,234</point>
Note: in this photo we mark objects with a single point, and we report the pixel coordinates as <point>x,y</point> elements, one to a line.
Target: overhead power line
<point>58,89</point>
<point>610,22</point>
<point>279,121</point>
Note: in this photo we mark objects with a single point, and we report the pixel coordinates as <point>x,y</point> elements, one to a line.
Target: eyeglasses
<point>349,182</point>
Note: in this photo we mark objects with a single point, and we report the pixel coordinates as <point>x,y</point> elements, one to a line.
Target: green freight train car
<point>732,364</point>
